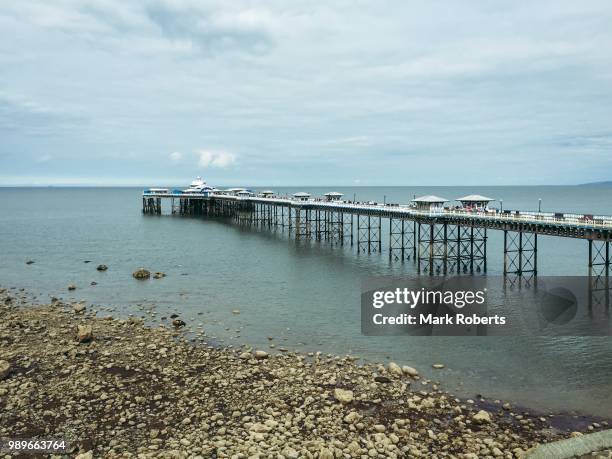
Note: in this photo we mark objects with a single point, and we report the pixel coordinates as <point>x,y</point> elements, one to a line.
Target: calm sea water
<point>304,294</point>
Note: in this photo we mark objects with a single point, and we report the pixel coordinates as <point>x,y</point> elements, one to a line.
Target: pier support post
<point>599,273</point>
<point>401,239</point>
<point>368,233</point>
<point>520,252</point>
<point>433,247</point>
<point>599,258</point>
<point>470,250</point>
<point>347,227</point>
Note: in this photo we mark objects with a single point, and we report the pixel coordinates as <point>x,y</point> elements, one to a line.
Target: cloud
<point>220,159</point>
<point>213,31</point>
<point>303,93</point>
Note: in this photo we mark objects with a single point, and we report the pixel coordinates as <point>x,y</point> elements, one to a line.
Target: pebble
<point>84,333</point>
<point>343,396</point>
<point>5,369</point>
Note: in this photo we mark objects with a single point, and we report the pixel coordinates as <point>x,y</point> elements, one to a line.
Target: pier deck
<point>440,239</point>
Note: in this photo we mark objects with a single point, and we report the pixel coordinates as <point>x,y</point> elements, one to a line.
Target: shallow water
<point>305,294</point>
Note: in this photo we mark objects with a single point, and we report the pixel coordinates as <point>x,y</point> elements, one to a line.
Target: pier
<point>439,239</point>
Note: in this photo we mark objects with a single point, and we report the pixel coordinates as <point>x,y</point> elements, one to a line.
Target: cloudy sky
<point>332,92</point>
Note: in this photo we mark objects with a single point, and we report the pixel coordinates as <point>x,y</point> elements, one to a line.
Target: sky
<point>336,92</point>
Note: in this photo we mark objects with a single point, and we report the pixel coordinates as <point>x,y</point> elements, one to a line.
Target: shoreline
<point>134,389</point>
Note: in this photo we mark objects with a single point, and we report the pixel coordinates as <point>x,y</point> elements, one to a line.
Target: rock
<point>245,356</point>
<point>379,428</point>
<point>438,366</point>
<point>410,371</point>
<point>260,355</point>
<point>72,287</point>
<point>5,369</point>
<point>141,274</point>
<point>87,455</point>
<point>158,275</point>
<point>382,379</point>
<point>352,417</point>
<point>78,307</point>
<point>84,333</point>
<point>30,262</point>
<point>326,454</point>
<point>482,417</point>
<point>395,369</point>
<point>178,323</point>
<point>102,268</point>
<point>343,396</point>
<point>93,283</point>
<point>236,311</point>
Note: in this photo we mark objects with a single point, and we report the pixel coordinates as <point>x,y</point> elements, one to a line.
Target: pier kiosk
<point>429,203</point>
<point>267,193</point>
<point>475,202</point>
<point>333,196</point>
<point>301,196</point>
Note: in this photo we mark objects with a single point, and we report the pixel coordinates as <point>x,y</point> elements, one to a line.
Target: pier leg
<point>401,239</point>
<point>599,273</point>
<point>347,227</point>
<point>520,253</point>
<point>368,233</point>
<point>433,247</point>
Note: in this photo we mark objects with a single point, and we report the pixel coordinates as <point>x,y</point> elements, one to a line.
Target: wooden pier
<point>440,240</point>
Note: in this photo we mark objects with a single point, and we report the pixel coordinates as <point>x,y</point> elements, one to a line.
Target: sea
<point>305,295</point>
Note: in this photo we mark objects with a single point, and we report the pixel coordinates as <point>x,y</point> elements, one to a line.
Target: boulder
<point>178,323</point>
<point>102,267</point>
<point>5,369</point>
<point>410,371</point>
<point>72,287</point>
<point>260,355</point>
<point>343,396</point>
<point>84,333</point>
<point>30,262</point>
<point>141,274</point>
<point>382,379</point>
<point>158,275</point>
<point>78,308</point>
<point>395,369</point>
<point>482,417</point>
<point>438,366</point>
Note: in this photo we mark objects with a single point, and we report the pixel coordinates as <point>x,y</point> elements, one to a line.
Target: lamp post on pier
<point>539,205</point>
<point>501,203</point>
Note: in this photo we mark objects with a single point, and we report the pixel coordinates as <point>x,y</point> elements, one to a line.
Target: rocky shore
<point>117,388</point>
